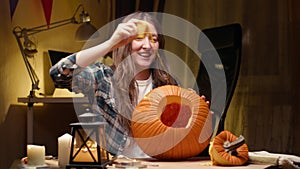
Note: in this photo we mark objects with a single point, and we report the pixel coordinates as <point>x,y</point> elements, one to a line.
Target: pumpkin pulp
<point>176,113</point>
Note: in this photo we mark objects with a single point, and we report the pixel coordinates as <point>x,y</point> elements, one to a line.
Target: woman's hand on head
<point>124,33</point>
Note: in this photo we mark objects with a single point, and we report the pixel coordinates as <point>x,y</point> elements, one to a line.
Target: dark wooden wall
<point>265,107</point>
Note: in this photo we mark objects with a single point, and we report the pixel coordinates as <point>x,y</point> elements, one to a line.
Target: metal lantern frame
<point>98,161</point>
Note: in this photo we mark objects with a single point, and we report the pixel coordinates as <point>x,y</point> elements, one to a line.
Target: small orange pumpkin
<point>228,150</point>
<point>172,123</point>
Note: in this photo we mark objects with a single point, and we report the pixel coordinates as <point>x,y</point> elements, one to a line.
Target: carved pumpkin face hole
<point>175,113</point>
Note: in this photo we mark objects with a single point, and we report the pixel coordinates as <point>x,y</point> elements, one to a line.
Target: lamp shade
<point>85,31</point>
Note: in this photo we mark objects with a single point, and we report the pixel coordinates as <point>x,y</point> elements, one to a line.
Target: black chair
<point>226,44</point>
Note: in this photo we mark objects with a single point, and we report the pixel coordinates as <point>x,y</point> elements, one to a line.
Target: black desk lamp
<point>28,48</point>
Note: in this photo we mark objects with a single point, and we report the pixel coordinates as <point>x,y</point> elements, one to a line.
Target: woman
<point>115,91</point>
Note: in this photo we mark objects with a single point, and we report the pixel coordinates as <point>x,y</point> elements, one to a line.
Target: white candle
<point>64,145</point>
<point>36,155</point>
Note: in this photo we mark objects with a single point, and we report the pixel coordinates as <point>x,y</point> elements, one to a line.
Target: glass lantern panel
<point>85,146</point>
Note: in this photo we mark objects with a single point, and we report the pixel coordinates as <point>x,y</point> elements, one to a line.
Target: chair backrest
<point>227,44</point>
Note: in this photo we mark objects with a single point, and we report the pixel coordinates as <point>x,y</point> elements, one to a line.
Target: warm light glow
<point>87,144</point>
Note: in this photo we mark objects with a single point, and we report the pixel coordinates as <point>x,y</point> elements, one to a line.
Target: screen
<point>56,56</point>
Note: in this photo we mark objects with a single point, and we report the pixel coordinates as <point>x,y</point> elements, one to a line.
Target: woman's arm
<point>90,55</point>
<point>122,35</point>
<point>62,72</point>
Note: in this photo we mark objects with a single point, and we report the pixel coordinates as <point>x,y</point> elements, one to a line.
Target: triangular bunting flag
<point>47,6</point>
<point>13,5</point>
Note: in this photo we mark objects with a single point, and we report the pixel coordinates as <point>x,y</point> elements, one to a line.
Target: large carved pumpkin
<point>172,123</point>
<point>228,150</point>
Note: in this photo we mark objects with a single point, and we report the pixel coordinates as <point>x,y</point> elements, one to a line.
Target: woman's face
<point>144,49</point>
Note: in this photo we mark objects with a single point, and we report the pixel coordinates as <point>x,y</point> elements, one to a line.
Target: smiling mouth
<point>146,55</point>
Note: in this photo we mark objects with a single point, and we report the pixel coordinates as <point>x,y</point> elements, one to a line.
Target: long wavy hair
<point>124,76</point>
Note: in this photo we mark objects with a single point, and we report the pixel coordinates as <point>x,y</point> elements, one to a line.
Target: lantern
<point>88,142</point>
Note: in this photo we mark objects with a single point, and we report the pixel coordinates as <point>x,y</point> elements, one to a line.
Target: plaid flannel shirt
<point>95,82</point>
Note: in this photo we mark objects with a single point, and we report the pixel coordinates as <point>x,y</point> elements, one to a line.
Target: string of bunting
<point>47,7</point>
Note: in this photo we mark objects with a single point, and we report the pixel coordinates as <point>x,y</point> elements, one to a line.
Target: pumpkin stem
<point>231,147</point>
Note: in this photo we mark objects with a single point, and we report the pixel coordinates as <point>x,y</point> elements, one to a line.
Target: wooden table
<point>30,101</point>
<point>202,165</point>
<point>197,163</point>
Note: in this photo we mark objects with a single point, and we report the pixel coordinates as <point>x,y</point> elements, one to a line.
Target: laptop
<point>56,56</point>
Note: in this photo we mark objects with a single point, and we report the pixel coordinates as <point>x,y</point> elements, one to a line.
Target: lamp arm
<point>19,34</point>
<point>38,29</point>
<point>25,32</point>
<point>35,30</point>
<point>33,76</point>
